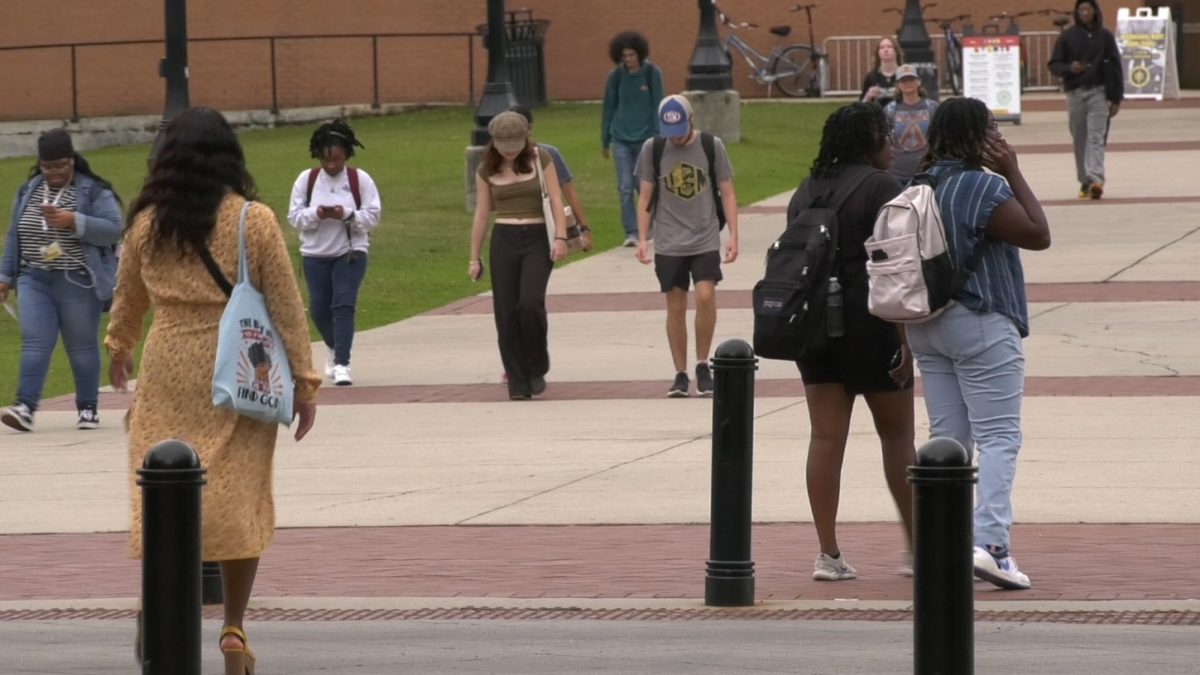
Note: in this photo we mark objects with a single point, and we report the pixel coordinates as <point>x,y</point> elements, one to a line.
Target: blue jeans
<point>53,301</point>
<point>973,370</point>
<point>625,156</point>
<point>333,285</point>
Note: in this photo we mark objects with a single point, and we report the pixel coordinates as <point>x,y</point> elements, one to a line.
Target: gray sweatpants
<point>1087,115</point>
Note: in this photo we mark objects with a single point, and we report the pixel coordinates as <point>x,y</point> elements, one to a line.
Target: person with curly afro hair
<point>631,97</point>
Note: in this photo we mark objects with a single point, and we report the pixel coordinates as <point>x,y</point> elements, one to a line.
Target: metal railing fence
<point>272,41</point>
<point>851,57</point>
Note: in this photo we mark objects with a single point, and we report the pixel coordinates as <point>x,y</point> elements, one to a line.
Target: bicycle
<point>953,49</point>
<point>795,69</point>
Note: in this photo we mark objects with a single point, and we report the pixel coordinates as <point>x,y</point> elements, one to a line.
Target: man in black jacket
<point>1087,60</point>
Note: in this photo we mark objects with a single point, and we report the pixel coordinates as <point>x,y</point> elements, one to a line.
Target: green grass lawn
<point>420,250</point>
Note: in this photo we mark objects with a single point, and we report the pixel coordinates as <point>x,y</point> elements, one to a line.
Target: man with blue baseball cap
<point>687,195</point>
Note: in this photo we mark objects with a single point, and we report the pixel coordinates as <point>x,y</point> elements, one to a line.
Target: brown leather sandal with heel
<point>244,653</point>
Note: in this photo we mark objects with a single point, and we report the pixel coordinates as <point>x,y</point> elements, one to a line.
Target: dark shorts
<point>860,361</point>
<point>673,271</point>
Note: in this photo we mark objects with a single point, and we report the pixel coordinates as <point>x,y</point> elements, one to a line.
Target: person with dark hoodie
<point>1087,60</point>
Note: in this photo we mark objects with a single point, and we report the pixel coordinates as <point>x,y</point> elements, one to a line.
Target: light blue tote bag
<point>252,376</point>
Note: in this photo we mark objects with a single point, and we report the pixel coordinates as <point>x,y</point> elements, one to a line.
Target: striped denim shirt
<point>966,201</point>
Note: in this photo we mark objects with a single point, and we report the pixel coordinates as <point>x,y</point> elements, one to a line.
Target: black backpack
<point>710,153</point>
<point>789,301</point>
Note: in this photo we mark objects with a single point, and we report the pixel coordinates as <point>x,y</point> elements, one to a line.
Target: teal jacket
<point>631,104</point>
<point>97,227</point>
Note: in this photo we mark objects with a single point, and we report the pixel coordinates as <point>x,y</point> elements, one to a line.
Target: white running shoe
<point>341,376</point>
<point>328,363</point>
<point>833,569</point>
<point>630,242</point>
<point>18,416</point>
<point>1003,572</point>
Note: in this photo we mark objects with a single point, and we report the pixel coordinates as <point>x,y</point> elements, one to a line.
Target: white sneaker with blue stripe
<point>1002,571</point>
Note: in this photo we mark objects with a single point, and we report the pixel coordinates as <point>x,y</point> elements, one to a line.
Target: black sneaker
<point>704,381</point>
<point>537,385</point>
<point>680,388</point>
<point>88,419</point>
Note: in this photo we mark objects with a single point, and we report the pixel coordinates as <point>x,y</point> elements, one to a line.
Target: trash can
<point>524,55</point>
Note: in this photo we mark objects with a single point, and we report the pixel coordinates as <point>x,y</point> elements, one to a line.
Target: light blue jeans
<point>625,156</point>
<point>973,371</point>
<point>51,301</point>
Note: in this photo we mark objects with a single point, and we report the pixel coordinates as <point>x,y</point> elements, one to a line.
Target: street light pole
<point>918,48</point>
<point>497,91</point>
<point>709,69</point>
<point>174,68</point>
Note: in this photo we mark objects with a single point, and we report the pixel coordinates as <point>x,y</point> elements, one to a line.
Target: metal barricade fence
<point>851,57</point>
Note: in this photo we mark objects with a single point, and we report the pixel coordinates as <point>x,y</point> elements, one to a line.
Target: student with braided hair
<point>334,207</point>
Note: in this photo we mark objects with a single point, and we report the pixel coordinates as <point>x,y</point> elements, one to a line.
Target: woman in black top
<point>870,358</point>
<point>880,84</point>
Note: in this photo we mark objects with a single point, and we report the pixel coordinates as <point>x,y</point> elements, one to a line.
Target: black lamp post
<point>497,91</point>
<point>174,68</point>
<point>709,67</point>
<point>918,48</point>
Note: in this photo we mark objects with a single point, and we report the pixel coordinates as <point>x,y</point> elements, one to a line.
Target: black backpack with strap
<point>710,153</point>
<point>789,301</point>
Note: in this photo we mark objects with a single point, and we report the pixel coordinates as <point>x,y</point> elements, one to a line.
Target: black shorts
<point>673,270</point>
<point>860,360</point>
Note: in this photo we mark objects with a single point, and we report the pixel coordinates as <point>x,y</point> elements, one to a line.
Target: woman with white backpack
<point>970,355</point>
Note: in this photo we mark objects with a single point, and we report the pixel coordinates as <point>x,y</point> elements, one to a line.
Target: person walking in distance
<point>60,257</point>
<point>686,186</point>
<point>869,358</point>
<point>1087,60</point>
<point>335,207</point>
<point>971,358</point>
<point>631,97</point>
<point>909,116</point>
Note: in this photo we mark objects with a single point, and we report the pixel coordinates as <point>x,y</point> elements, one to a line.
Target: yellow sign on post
<point>1147,43</point>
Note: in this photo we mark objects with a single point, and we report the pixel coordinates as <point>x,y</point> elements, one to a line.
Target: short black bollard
<point>730,578</point>
<point>171,478</point>
<point>943,571</point>
<point>210,583</point>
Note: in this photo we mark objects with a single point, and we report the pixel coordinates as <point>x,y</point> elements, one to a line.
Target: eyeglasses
<point>57,166</point>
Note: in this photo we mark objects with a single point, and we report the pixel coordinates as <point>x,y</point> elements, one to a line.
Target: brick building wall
<point>120,80</point>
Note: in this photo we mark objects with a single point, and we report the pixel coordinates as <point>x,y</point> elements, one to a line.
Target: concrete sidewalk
<point>426,436</point>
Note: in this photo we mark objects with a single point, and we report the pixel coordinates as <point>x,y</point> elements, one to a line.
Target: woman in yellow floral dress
<point>192,200</point>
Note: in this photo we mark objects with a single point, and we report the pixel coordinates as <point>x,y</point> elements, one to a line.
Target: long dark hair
<point>336,133</point>
<point>852,135</point>
<point>958,130</point>
<point>895,48</point>
<point>198,160</point>
<point>82,166</point>
<point>522,163</point>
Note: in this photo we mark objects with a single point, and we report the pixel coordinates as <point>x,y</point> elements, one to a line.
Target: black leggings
<point>521,266</point>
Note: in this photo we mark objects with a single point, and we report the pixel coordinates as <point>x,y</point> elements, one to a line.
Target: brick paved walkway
<point>1066,562</point>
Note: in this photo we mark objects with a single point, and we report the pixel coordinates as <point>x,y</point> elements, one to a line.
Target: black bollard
<point>210,583</point>
<point>943,570</point>
<point>730,578</point>
<point>171,478</point>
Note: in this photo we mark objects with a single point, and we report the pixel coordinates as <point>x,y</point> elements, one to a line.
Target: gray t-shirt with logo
<point>685,220</point>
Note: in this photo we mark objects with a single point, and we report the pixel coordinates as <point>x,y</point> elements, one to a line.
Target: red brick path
<point>1065,562</point>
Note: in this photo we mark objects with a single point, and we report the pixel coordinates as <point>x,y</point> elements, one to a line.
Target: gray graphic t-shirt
<point>685,220</point>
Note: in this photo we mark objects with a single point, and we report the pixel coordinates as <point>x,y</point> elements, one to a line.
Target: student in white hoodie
<point>334,207</point>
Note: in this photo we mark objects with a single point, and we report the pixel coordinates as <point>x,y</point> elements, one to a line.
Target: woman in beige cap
<point>521,254</point>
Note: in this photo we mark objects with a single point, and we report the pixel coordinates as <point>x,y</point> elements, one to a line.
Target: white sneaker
<point>833,569</point>
<point>18,416</point>
<point>630,242</point>
<point>1003,572</point>
<point>341,376</point>
<point>328,363</point>
<point>906,566</point>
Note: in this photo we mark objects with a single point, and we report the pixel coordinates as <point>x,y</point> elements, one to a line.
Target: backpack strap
<point>656,154</point>
<point>964,273</point>
<point>709,145</point>
<point>312,182</point>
